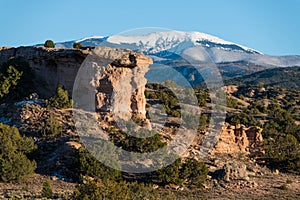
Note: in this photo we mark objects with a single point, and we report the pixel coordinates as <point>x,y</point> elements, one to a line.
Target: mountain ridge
<point>150,42</point>
<point>161,45</point>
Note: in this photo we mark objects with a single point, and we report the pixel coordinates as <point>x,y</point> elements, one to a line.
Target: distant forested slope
<point>288,77</point>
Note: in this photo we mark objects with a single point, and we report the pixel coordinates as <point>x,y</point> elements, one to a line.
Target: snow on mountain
<point>155,42</point>
<point>89,38</point>
<point>176,41</point>
<point>172,44</point>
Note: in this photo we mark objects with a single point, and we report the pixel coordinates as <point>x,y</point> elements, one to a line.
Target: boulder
<point>234,171</point>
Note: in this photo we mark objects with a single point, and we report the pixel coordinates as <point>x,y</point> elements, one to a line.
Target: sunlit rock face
<point>120,82</point>
<point>239,139</point>
<point>112,83</point>
<point>116,76</point>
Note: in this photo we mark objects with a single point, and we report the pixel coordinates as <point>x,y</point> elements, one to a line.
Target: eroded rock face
<point>50,66</point>
<point>115,78</point>
<point>118,75</point>
<point>239,139</point>
<point>122,82</point>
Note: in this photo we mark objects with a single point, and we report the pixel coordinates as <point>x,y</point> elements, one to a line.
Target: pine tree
<point>77,45</point>
<point>47,190</point>
<point>61,99</point>
<point>49,44</point>
<point>14,164</point>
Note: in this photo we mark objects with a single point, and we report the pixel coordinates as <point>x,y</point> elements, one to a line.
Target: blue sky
<point>269,26</point>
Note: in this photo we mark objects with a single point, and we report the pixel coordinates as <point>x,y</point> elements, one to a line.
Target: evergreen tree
<point>77,45</point>
<point>60,99</point>
<point>8,80</point>
<point>49,44</point>
<point>16,79</point>
<point>14,165</point>
<point>47,190</point>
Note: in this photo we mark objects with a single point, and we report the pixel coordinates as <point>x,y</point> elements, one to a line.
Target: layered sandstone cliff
<point>51,67</point>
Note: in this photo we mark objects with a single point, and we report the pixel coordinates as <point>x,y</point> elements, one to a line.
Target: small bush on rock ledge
<point>60,99</point>
<point>77,45</point>
<point>49,44</point>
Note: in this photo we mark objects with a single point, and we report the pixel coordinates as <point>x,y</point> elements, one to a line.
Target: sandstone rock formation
<point>112,82</point>
<point>119,73</point>
<point>122,82</point>
<point>51,66</point>
<point>239,139</point>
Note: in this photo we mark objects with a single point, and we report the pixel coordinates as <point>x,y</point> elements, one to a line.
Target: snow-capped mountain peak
<point>162,41</point>
<point>167,45</point>
<point>155,42</point>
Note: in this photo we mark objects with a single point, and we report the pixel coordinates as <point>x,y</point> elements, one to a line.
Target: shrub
<point>282,122</point>
<point>194,172</point>
<point>256,107</point>
<point>51,127</point>
<point>16,79</point>
<point>8,80</point>
<point>231,102</point>
<point>77,45</point>
<point>143,143</point>
<point>191,172</point>
<point>202,122</point>
<point>289,181</point>
<point>283,187</point>
<point>242,97</point>
<point>170,174</point>
<point>100,190</point>
<point>14,164</point>
<point>242,118</point>
<point>60,99</point>
<point>87,165</point>
<point>283,150</point>
<point>49,44</point>
<point>47,190</point>
<point>202,97</point>
<point>166,97</point>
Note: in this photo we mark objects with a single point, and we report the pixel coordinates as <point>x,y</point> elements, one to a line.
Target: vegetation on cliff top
<point>49,44</point>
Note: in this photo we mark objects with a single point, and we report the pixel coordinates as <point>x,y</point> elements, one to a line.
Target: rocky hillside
<point>256,152</point>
